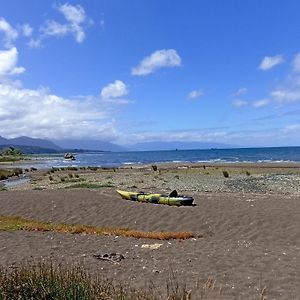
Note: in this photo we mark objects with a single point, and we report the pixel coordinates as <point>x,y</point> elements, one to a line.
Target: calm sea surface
<point>114,159</point>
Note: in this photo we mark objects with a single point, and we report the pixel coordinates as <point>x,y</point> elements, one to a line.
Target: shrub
<point>11,151</point>
<point>5,173</point>
<point>93,168</point>
<point>226,174</point>
<point>17,171</point>
<point>154,167</point>
<point>50,178</point>
<point>72,168</point>
<point>70,175</point>
<point>90,185</point>
<point>248,173</point>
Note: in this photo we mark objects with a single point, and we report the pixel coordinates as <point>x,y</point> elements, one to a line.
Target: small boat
<point>172,199</point>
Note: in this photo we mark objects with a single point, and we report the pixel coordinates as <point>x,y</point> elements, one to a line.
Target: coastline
<point>261,178</point>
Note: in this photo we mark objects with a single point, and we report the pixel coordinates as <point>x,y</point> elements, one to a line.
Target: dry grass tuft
<point>11,223</point>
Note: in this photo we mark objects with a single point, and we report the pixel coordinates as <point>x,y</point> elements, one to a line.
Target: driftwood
<point>112,257</point>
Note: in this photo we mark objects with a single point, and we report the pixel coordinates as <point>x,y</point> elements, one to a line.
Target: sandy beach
<point>248,226</point>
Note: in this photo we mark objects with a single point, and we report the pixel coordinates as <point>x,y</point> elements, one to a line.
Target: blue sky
<point>140,70</point>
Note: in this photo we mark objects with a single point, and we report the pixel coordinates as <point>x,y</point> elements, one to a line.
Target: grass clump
<point>72,168</point>
<point>225,174</point>
<point>50,281</point>
<point>88,185</point>
<point>154,168</point>
<point>6,173</point>
<point>12,223</point>
<point>93,168</point>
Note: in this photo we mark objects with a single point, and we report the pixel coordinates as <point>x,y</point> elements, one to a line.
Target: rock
<point>112,257</point>
<point>69,156</point>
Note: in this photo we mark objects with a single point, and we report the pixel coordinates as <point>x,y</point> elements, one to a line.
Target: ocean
<point>116,159</point>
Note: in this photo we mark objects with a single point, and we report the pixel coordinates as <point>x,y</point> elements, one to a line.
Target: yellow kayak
<point>172,199</point>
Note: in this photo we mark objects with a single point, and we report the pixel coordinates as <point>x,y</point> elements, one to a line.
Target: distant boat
<point>69,156</point>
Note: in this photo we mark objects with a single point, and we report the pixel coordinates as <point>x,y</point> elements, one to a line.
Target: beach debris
<point>112,257</point>
<point>152,246</point>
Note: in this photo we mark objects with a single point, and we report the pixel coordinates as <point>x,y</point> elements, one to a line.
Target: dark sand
<point>249,240</point>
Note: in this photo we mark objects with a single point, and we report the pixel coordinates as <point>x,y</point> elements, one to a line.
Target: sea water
<point>116,159</point>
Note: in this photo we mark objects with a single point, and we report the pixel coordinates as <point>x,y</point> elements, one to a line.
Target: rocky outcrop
<point>69,156</point>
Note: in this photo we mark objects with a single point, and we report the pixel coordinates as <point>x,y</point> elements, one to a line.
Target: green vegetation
<point>154,167</point>
<point>10,151</point>
<point>10,223</point>
<point>89,185</point>
<point>10,154</point>
<point>225,174</point>
<point>64,282</point>
<point>71,179</point>
<point>93,168</point>
<point>47,280</point>
<point>6,173</point>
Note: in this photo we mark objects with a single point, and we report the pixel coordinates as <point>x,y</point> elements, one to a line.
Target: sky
<point>130,71</point>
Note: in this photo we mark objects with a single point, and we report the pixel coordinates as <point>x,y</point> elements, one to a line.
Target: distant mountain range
<point>27,141</point>
<point>95,145</point>
<point>37,146</point>
<point>30,145</point>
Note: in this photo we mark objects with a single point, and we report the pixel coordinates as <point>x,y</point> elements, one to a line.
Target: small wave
<point>128,163</point>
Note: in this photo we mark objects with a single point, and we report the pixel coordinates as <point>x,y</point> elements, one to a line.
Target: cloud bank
<point>38,113</point>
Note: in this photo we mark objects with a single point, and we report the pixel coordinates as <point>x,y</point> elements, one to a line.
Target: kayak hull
<point>156,198</point>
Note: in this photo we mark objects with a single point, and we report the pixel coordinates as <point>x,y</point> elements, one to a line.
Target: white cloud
<point>114,90</point>
<point>158,59</point>
<point>10,34</point>
<point>240,103</point>
<point>76,20</point>
<point>8,63</point>
<point>291,128</point>
<point>240,91</point>
<point>38,113</point>
<point>269,62</point>
<point>195,94</point>
<point>296,63</point>
<point>261,103</point>
<point>54,28</point>
<point>35,43</point>
<point>286,95</point>
<point>27,30</point>
<point>73,13</point>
